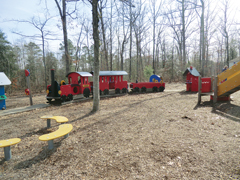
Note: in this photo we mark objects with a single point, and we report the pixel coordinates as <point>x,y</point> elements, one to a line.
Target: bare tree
<point>63,15</point>
<point>79,44</point>
<point>124,38</point>
<point>130,50</point>
<point>202,54</point>
<point>103,33</point>
<point>111,44</point>
<point>176,27</point>
<point>95,21</point>
<point>140,27</point>
<point>210,30</point>
<point>39,24</point>
<point>181,27</point>
<point>155,11</point>
<point>224,27</point>
<point>202,38</point>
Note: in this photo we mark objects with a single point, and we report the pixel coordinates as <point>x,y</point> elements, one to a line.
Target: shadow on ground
<point>184,92</point>
<point>45,153</point>
<point>225,109</point>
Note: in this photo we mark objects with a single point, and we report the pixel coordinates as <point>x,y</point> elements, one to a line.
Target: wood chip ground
<point>143,136</point>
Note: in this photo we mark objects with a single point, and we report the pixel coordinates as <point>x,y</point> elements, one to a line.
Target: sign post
<point>27,74</point>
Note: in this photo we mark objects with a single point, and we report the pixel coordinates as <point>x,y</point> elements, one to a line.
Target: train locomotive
<point>78,83</point>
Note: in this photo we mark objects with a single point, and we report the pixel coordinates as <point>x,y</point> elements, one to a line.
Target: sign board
<point>27,72</point>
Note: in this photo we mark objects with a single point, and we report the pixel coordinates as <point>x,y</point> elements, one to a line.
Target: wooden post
<point>215,89</point>
<point>29,87</point>
<point>199,89</point>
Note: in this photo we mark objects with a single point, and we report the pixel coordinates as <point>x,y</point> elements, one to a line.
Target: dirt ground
<point>144,136</point>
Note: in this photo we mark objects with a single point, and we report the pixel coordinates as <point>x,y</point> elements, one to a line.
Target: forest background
<point>142,37</point>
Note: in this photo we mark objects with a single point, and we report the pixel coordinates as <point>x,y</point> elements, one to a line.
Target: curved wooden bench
<point>59,119</point>
<point>6,144</point>
<point>63,130</point>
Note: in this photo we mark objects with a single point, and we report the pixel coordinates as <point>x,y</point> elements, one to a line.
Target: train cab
<point>77,84</point>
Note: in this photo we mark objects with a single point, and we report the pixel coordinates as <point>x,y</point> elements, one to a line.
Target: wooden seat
<point>63,130</point>
<point>6,144</point>
<point>59,119</point>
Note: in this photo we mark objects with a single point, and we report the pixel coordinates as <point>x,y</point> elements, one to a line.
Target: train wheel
<point>124,90</point>
<point>136,89</point>
<point>49,101</point>
<point>161,89</point>
<point>105,92</point>
<point>117,91</point>
<point>63,98</point>
<point>154,89</point>
<point>143,89</point>
<point>70,97</point>
<point>86,92</point>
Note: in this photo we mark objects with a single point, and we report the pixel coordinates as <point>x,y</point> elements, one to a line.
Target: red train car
<point>156,84</point>
<point>143,86</point>
<point>112,80</point>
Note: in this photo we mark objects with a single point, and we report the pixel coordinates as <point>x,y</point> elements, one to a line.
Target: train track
<point>81,98</point>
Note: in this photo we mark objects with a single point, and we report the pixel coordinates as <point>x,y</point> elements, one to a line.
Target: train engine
<point>77,84</point>
<point>155,84</point>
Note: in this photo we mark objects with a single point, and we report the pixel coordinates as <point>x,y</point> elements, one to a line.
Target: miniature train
<point>78,83</point>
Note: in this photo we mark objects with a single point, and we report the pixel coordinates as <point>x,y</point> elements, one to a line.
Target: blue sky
<point>25,10</point>
<point>21,10</point>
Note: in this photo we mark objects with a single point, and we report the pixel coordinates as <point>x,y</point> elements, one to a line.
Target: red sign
<point>27,72</point>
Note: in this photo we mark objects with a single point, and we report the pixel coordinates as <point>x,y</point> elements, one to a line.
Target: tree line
<point>142,37</point>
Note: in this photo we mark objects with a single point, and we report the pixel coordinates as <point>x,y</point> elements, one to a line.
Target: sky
<point>25,10</point>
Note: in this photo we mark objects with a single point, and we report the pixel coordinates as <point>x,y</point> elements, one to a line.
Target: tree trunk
<point>123,42</point>
<point>121,53</point>
<point>172,62</point>
<point>64,23</point>
<point>44,62</point>
<point>154,23</point>
<point>227,48</point>
<point>118,53</point>
<point>203,39</point>
<point>104,37</point>
<point>130,50</point>
<point>96,97</point>
<point>137,45</point>
<point>183,34</point>
<point>164,52</point>
<point>111,57</point>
